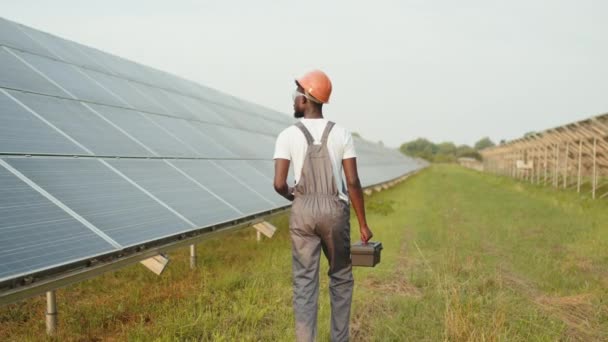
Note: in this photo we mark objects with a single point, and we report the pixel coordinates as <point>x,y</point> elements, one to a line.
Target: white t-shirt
<point>291,145</point>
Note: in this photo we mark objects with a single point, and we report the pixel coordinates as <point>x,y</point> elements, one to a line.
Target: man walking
<point>320,214</point>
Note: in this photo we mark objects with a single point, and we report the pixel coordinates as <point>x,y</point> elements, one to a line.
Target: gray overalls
<point>320,220</point>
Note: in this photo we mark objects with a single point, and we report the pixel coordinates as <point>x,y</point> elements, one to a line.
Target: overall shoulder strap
<point>328,127</point>
<point>307,134</point>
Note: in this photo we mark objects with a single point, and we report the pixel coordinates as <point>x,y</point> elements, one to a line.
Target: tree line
<point>445,152</point>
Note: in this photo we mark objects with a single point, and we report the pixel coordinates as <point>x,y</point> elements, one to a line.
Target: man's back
<point>291,144</point>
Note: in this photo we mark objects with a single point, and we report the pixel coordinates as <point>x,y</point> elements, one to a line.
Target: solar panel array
<point>99,154</point>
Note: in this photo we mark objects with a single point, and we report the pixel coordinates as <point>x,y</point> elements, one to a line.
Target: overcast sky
<point>444,70</point>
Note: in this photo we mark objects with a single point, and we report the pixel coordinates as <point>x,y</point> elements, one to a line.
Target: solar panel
<point>252,178</point>
<point>61,49</point>
<point>23,132</point>
<point>99,155</point>
<point>245,144</point>
<point>124,89</point>
<point>12,35</point>
<point>178,190</point>
<point>246,120</point>
<point>215,179</point>
<point>144,129</point>
<point>198,109</point>
<point>68,77</point>
<point>37,234</point>
<point>196,142</point>
<point>103,197</point>
<point>14,74</point>
<point>82,125</point>
<point>161,98</point>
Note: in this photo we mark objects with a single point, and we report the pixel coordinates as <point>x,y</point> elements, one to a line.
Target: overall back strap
<point>330,125</point>
<point>304,130</point>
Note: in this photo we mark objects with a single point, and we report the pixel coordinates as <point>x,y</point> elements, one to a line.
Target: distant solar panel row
<point>98,154</point>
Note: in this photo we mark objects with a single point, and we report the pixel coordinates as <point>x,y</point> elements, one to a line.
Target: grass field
<point>468,256</point>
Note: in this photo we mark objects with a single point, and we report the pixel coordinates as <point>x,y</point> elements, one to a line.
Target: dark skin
<point>306,108</point>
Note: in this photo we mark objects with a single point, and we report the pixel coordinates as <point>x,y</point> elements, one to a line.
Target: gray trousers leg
<point>334,239</point>
<point>336,246</point>
<point>306,249</point>
<point>341,295</point>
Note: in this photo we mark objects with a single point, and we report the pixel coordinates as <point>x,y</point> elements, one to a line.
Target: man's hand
<point>366,234</point>
<point>290,195</point>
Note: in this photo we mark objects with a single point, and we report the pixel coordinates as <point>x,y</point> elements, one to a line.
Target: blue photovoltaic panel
<point>103,198</point>
<point>125,90</point>
<point>22,132</point>
<point>69,78</point>
<point>36,234</point>
<point>247,121</point>
<point>215,179</point>
<point>100,61</point>
<point>141,127</point>
<point>273,122</point>
<point>119,66</point>
<point>14,74</point>
<point>197,143</point>
<point>254,179</point>
<point>82,125</point>
<point>59,48</point>
<point>266,167</point>
<point>161,97</point>
<point>199,110</point>
<point>245,144</point>
<point>12,35</point>
<point>173,188</point>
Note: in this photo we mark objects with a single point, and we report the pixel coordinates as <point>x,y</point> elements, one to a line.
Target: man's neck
<point>313,114</point>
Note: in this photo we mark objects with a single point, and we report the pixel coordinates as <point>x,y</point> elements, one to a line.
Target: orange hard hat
<point>316,84</point>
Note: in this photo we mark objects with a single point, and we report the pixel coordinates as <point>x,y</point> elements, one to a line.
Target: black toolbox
<point>365,254</point>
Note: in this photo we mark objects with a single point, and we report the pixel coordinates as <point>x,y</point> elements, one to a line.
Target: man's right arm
<point>282,157</point>
<point>355,193</point>
<point>281,167</point>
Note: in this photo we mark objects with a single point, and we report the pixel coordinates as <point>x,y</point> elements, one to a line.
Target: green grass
<point>468,256</point>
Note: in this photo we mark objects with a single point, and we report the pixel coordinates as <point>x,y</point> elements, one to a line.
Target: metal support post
<point>580,164</point>
<point>192,257</point>
<point>566,165</point>
<point>51,313</point>
<point>546,160</point>
<point>556,169</point>
<point>594,180</point>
